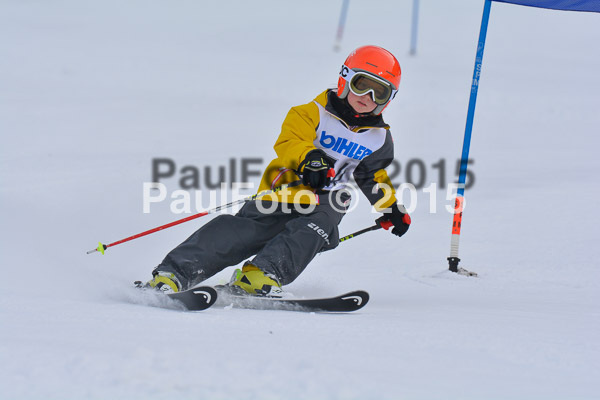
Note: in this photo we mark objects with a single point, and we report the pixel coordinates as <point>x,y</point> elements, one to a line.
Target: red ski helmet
<point>370,69</point>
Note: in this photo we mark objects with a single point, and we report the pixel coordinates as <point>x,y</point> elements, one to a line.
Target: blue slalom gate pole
<point>414,28</point>
<point>341,24</point>
<point>453,260</point>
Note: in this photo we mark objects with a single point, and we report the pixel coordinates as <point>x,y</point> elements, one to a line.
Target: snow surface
<point>92,91</point>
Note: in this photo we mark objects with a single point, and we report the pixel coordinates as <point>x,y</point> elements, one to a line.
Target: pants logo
<point>319,231</point>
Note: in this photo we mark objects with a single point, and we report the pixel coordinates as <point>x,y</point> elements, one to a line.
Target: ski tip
<point>196,299</point>
<point>357,299</point>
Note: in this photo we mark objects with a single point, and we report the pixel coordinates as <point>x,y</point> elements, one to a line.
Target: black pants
<point>284,241</point>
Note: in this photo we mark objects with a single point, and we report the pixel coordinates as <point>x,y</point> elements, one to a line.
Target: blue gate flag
<point>566,5</point>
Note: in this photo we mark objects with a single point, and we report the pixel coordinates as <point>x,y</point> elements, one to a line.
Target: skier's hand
<point>398,216</point>
<point>315,169</point>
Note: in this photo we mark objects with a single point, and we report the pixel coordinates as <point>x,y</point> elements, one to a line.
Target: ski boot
<point>165,282</point>
<point>253,280</point>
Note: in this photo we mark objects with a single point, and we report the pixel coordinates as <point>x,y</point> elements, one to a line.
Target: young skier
<point>339,135</point>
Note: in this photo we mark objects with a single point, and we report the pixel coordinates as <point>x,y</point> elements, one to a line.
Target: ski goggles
<point>361,83</point>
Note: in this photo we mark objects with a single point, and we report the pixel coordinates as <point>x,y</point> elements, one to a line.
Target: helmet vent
<point>390,73</point>
<point>372,65</point>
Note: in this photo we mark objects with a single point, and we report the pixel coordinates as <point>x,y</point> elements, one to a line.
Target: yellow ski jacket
<point>362,152</point>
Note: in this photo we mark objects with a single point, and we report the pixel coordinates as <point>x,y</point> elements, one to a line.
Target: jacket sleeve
<point>371,178</point>
<point>298,133</point>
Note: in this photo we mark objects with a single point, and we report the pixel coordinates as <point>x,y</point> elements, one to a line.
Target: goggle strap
<point>347,73</point>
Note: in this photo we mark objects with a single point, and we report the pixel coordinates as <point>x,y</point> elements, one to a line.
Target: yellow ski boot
<point>165,282</point>
<point>254,281</point>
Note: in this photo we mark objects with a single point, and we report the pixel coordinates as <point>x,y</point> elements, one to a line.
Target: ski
<point>202,297</point>
<point>347,302</point>
<point>196,299</point>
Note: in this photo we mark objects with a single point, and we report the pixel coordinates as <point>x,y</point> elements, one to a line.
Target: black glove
<point>398,216</point>
<point>315,169</point>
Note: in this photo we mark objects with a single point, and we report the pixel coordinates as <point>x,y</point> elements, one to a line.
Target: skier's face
<point>361,104</point>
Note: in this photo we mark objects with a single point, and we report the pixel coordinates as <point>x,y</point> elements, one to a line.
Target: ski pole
<point>102,247</point>
<point>383,224</point>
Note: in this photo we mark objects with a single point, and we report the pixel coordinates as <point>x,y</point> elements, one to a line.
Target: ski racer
<point>322,144</point>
